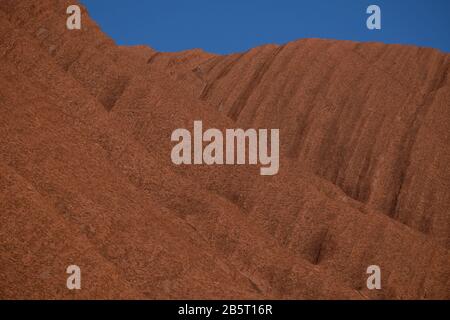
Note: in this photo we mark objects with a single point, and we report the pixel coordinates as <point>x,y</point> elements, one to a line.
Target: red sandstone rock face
<point>86,176</point>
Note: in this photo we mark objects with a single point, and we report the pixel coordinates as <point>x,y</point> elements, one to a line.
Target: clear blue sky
<point>225,26</point>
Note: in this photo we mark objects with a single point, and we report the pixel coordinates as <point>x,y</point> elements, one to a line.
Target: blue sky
<point>225,26</point>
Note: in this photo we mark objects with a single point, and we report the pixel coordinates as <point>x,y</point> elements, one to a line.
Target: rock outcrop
<point>86,176</point>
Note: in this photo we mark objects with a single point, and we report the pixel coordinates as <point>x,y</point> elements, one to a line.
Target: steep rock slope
<point>80,162</point>
<point>359,115</point>
<point>87,125</point>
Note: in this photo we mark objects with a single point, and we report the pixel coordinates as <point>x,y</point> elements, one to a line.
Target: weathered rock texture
<point>86,176</point>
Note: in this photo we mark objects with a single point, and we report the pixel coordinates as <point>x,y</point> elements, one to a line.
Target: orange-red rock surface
<point>86,176</point>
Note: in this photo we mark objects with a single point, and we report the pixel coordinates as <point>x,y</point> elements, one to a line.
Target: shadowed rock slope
<point>86,176</point>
